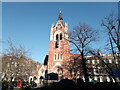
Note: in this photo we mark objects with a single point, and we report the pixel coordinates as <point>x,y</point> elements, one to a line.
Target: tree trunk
<point>84,68</point>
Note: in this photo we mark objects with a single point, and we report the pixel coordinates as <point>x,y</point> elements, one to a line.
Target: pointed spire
<point>60,16</point>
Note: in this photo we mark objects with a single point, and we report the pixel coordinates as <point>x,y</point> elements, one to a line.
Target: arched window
<point>58,56</point>
<point>56,44</point>
<point>61,56</point>
<point>42,70</point>
<point>59,71</point>
<point>55,56</point>
<point>56,37</point>
<point>60,36</point>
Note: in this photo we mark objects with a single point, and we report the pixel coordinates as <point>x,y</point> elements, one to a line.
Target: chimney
<point>99,52</point>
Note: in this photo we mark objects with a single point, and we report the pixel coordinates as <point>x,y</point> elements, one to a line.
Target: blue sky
<point>29,23</point>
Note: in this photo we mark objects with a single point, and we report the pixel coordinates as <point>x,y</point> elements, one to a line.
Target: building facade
<point>105,68</point>
<point>14,66</point>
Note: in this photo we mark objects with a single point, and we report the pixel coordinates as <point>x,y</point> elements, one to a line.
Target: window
<point>12,62</point>
<point>94,71</point>
<point>42,71</point>
<point>105,61</point>
<point>110,61</point>
<point>101,79</point>
<point>56,44</point>
<point>58,56</point>
<point>93,61</point>
<point>61,56</point>
<point>57,41</point>
<point>98,61</point>
<point>8,65</point>
<point>95,78</point>
<point>56,37</point>
<point>60,36</point>
<point>116,61</point>
<point>55,56</point>
<point>15,64</point>
<point>108,79</point>
<point>88,61</point>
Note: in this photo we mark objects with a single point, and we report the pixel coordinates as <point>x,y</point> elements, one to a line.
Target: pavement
<point>17,89</point>
<point>35,88</point>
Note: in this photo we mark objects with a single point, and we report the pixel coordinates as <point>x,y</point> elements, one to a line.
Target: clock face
<point>59,26</point>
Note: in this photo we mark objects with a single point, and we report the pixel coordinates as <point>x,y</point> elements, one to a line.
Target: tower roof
<point>60,16</point>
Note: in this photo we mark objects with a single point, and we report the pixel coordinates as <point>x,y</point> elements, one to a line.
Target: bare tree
<point>82,37</point>
<point>19,51</point>
<point>73,66</point>
<point>111,23</point>
<point>112,27</point>
<point>16,62</point>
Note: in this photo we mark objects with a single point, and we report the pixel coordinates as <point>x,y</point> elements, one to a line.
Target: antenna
<point>60,10</point>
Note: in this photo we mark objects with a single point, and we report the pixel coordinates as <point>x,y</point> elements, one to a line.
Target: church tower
<point>59,49</point>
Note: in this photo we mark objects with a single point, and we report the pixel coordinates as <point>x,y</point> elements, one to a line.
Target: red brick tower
<point>59,49</point>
